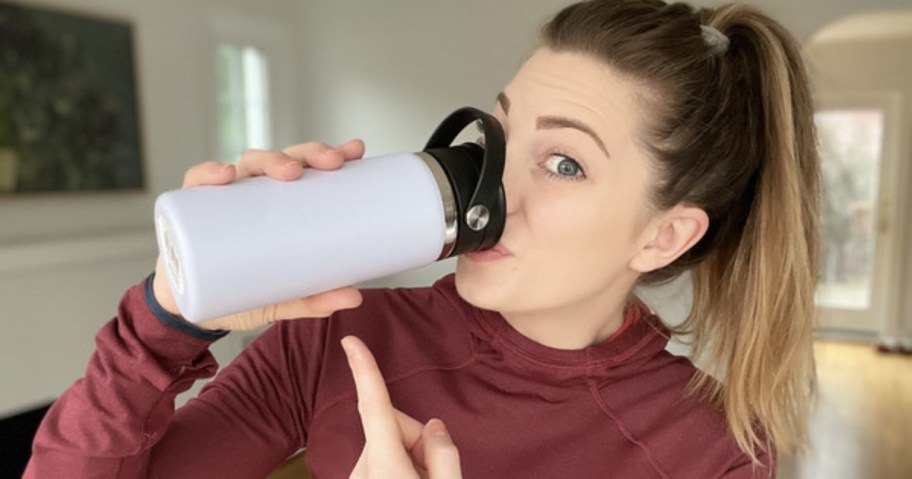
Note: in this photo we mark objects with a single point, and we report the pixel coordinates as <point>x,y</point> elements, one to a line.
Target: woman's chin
<point>477,286</point>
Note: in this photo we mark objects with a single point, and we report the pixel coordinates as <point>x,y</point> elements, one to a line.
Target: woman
<point>643,140</point>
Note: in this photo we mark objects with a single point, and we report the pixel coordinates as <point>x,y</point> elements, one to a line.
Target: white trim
<point>882,316</point>
<point>55,254</point>
<point>866,26</point>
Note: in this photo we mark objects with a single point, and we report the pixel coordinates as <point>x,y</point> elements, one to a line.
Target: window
<point>243,100</point>
<point>851,144</point>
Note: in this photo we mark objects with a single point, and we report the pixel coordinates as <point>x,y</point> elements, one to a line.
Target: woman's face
<point>576,187</point>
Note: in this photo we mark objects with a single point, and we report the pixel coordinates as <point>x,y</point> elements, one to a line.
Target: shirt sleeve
<point>119,421</point>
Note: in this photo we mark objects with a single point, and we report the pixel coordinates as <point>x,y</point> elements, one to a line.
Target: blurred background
<point>212,77</point>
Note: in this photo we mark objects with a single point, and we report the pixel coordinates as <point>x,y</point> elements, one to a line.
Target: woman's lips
<point>499,251</point>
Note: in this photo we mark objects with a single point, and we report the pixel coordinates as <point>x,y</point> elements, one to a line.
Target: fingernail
<point>437,428</point>
<point>346,346</point>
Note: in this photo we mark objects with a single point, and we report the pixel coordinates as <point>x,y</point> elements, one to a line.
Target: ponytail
<point>753,311</point>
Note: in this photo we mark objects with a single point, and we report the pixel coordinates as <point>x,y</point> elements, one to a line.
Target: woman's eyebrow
<point>555,122</point>
<point>504,102</point>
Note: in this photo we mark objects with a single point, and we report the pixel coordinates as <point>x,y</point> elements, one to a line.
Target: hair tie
<point>716,40</point>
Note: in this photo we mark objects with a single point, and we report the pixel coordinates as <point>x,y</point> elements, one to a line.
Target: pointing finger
<point>384,441</point>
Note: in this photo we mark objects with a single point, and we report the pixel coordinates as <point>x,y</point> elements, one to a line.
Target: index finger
<point>384,442</point>
<point>275,164</point>
<point>324,157</point>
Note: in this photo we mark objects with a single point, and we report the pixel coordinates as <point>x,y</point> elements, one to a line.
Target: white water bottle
<point>260,241</point>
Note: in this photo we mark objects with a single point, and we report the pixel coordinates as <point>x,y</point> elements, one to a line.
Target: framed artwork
<point>69,118</point>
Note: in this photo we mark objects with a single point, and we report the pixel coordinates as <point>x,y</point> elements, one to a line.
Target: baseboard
<point>63,252</point>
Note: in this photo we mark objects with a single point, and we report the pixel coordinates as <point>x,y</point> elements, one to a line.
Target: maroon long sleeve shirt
<point>514,408</point>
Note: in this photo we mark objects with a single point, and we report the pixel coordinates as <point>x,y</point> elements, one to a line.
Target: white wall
<point>805,17</point>
<point>386,71</point>
<point>65,260</point>
<point>51,310</point>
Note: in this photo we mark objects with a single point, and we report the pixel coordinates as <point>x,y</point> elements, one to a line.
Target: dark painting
<point>68,109</point>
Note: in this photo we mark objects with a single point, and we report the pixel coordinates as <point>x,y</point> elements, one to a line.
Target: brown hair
<point>730,131</point>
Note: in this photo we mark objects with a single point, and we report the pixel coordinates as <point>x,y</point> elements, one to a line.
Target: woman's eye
<point>564,167</point>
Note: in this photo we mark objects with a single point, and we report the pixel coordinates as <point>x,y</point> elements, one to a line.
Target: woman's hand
<point>396,444</point>
<point>287,164</point>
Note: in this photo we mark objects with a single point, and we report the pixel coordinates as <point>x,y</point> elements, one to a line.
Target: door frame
<point>886,279</point>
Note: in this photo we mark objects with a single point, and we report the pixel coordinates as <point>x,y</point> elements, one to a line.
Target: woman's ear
<point>670,235</point>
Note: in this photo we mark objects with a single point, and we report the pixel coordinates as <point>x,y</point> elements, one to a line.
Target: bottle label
<point>170,256</point>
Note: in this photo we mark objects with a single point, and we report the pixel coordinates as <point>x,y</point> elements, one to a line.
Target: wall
<point>805,18</point>
<point>65,260</point>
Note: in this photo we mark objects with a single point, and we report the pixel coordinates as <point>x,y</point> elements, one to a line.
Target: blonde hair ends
<point>767,280</point>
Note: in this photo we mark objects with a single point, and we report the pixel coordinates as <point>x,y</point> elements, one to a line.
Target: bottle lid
<point>476,176</point>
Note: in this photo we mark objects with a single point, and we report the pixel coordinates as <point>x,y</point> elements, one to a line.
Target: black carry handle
<point>476,174</point>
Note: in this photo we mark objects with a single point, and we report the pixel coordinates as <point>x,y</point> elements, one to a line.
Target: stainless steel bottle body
<point>261,241</point>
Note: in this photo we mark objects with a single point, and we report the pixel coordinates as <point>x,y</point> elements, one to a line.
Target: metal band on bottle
<point>448,200</point>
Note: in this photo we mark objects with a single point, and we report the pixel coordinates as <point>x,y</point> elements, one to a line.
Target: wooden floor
<point>862,427</point>
<point>294,468</point>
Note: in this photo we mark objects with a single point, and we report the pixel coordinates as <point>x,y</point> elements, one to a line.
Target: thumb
<point>316,306</point>
<point>440,454</point>
<point>319,305</point>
